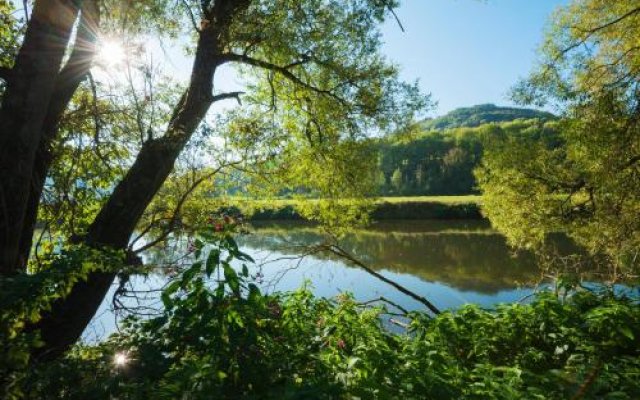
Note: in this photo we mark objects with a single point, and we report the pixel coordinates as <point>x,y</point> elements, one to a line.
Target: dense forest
<point>439,157</point>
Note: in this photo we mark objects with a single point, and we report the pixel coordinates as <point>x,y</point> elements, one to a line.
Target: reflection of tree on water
<point>474,259</point>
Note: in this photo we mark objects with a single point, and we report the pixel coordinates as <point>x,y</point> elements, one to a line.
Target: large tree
<point>583,177</point>
<point>315,84</point>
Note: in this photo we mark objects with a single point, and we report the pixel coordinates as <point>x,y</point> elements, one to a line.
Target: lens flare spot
<point>111,53</point>
<point>120,359</point>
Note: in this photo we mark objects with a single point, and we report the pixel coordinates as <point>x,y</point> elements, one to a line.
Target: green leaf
<point>212,261</point>
<point>167,301</point>
<point>254,293</point>
<point>231,278</point>
<point>352,361</point>
<point>626,331</point>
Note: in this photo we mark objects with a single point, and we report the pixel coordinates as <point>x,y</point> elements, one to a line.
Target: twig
<point>399,323</point>
<point>25,8</point>
<point>589,380</point>
<point>393,12</point>
<point>385,300</point>
<point>230,95</point>
<point>282,70</point>
<point>176,211</point>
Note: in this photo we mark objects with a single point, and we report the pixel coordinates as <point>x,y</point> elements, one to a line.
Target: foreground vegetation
<point>223,338</point>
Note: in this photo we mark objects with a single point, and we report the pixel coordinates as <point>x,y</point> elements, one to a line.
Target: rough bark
<point>71,76</point>
<point>116,221</point>
<point>24,107</point>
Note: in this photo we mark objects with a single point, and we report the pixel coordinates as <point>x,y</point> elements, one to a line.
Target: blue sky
<point>467,52</point>
<point>464,52</point>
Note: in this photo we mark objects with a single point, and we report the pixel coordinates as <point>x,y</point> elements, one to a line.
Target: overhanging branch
<point>282,70</point>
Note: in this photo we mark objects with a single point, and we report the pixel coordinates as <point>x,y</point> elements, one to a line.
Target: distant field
<point>476,199</point>
<point>386,208</point>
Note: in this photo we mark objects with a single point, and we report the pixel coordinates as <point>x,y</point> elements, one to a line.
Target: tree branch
<point>192,17</point>
<point>337,250</point>
<point>282,70</point>
<point>590,32</point>
<point>230,95</point>
<point>176,211</point>
<point>393,12</point>
<point>609,23</point>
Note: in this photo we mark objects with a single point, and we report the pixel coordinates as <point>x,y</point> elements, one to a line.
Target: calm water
<point>451,263</point>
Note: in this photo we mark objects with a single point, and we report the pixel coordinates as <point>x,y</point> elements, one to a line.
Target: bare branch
<point>339,251</point>
<point>383,299</point>
<point>25,9</point>
<point>192,17</point>
<point>230,95</point>
<point>393,12</point>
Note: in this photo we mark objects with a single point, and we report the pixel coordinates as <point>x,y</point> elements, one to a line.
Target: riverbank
<point>386,208</point>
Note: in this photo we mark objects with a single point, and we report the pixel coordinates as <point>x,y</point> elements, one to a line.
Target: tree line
<point>439,157</point>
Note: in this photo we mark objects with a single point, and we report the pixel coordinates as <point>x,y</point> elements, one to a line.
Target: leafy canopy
<point>585,179</point>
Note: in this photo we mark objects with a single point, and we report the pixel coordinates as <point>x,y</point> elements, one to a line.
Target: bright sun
<point>110,53</point>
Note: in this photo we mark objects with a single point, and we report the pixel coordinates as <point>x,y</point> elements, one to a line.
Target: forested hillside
<point>482,114</point>
<point>439,160</point>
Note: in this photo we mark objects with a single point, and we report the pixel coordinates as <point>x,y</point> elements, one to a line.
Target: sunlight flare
<point>110,53</point>
<point>120,359</point>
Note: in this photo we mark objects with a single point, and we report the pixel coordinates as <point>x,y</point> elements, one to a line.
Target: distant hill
<point>482,114</point>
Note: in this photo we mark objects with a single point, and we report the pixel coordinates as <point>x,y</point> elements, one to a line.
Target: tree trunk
<point>63,325</point>
<point>115,223</point>
<point>24,107</point>
<point>74,72</point>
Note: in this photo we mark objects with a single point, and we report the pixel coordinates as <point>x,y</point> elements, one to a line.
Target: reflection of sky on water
<point>450,263</point>
<point>328,278</point>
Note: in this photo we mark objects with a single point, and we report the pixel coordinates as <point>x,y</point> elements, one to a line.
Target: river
<point>450,263</point>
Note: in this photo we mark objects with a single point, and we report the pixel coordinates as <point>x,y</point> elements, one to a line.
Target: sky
<point>467,52</point>
<point>463,52</point>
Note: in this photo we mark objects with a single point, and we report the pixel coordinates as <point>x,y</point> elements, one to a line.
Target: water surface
<point>451,263</point>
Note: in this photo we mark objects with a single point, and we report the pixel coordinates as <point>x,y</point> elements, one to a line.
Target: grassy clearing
<point>385,208</point>
<point>276,203</point>
<point>473,199</point>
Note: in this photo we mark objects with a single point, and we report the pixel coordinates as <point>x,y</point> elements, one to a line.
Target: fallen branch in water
<point>383,299</point>
<point>399,323</point>
<point>339,251</point>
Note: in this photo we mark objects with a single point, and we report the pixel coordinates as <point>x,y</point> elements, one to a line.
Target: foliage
<point>502,187</point>
<point>219,335</point>
<point>9,33</point>
<point>416,160</point>
<point>25,297</point>
<point>439,155</point>
<point>436,162</point>
<point>306,106</point>
<point>588,187</point>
